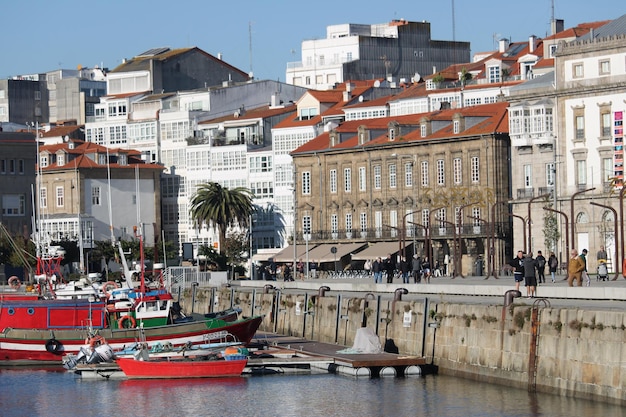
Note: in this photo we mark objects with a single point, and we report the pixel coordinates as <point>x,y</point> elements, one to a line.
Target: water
<point>32,393</point>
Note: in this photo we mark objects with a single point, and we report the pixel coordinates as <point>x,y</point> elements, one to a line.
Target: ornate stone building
<point>400,183</point>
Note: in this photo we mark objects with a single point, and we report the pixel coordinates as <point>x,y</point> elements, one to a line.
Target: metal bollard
<point>322,290</point>
<point>510,295</point>
<point>397,294</point>
<point>267,288</point>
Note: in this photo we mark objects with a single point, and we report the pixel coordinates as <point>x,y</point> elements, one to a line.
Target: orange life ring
<point>14,282</point>
<point>122,321</point>
<point>624,268</point>
<point>105,287</point>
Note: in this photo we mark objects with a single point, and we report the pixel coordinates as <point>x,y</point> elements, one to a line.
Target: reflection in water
<point>44,393</point>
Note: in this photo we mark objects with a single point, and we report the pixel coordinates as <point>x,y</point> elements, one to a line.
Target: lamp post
<point>572,217</point>
<point>429,252</point>
<point>523,226</point>
<point>489,245</point>
<point>425,233</point>
<point>403,233</point>
<point>530,228</point>
<point>615,228</point>
<point>566,229</point>
<point>457,264</point>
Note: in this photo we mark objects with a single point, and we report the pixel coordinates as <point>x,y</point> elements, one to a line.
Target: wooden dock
<point>276,354</point>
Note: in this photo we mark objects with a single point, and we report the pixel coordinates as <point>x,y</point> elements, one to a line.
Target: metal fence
<point>185,277</point>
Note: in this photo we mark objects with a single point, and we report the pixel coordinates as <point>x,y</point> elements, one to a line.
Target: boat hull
<point>48,346</point>
<point>164,369</point>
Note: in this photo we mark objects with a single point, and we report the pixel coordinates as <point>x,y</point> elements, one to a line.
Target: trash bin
<point>479,264</point>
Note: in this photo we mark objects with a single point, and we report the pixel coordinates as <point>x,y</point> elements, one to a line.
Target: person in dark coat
<point>416,267</point>
<point>517,264</point>
<point>541,268</point>
<point>377,270</point>
<point>404,268</point>
<point>530,277</point>
<point>389,267</point>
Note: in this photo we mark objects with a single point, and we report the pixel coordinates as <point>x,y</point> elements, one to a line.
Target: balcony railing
<point>523,193</point>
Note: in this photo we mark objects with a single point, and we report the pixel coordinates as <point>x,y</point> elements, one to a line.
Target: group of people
<point>532,270</point>
<point>283,272</point>
<point>416,269</point>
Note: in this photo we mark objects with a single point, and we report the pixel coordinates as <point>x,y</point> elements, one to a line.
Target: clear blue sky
<point>42,35</point>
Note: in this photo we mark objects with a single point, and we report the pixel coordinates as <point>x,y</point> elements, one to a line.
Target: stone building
<point>400,183</point>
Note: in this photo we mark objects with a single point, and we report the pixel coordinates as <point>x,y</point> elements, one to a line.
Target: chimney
<point>557,26</point>
<point>504,45</point>
<point>532,39</point>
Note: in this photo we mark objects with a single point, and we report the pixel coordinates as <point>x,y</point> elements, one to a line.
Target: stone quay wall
<point>564,351</point>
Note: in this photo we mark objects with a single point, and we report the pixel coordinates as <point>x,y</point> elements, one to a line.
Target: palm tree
<point>220,207</point>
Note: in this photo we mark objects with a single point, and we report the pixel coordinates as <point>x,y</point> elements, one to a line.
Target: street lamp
<point>457,261</point>
<point>489,245</point>
<point>429,251</point>
<point>615,227</point>
<point>426,237</point>
<point>530,233</point>
<point>621,222</point>
<point>403,233</point>
<point>566,229</point>
<point>523,226</point>
<point>572,218</point>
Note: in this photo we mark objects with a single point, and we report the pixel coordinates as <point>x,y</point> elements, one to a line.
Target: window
<point>456,126</point>
<point>393,222</point>
<point>408,174</point>
<point>494,73</point>
<point>11,166</point>
<point>377,177</point>
<point>43,197</point>
<point>392,134</point>
<point>424,170</point>
<point>308,113</point>
<point>476,216</point>
<point>425,217</point>
<point>362,179</point>
<point>334,223</point>
<point>363,222</point>
<point>393,182</point>
<point>580,127</point>
<point>458,170</point>
<point>605,67</point>
<point>553,50</point>
<point>60,159</point>
<point>306,183</point>
<point>20,166</point>
<point>441,215</point>
<point>95,196</point>
<point>475,162</point>
<point>581,172</point>
<point>441,175</point>
<point>605,120</point>
<point>348,222</point>
<point>458,220</point>
<point>306,226</point>
<point>43,160</point>
<point>60,196</point>
<point>577,70</point>
<point>13,205</point>
<point>528,179</point>
<point>423,130</point>
<point>550,174</point>
<point>37,95</point>
<point>3,166</point>
<point>333,181</point>
<point>347,179</point>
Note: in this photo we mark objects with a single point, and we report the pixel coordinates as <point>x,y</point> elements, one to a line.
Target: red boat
<point>184,368</point>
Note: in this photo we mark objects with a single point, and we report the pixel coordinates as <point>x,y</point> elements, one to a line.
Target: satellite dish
<point>360,99</point>
<point>437,105</point>
<point>377,83</point>
<point>417,77</point>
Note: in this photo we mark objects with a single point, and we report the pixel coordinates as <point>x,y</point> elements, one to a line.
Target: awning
<point>323,253</point>
<point>377,249</point>
<point>286,254</point>
<point>263,255</point>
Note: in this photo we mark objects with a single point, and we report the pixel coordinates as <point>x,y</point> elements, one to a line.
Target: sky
<point>261,36</point>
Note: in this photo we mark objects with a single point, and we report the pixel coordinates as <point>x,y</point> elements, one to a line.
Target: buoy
<point>126,322</point>
<point>14,282</point>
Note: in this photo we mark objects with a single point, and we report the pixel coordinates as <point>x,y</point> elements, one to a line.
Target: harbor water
<point>58,393</point>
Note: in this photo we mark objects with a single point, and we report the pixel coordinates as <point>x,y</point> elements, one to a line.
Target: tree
<point>550,229</point>
<point>221,207</point>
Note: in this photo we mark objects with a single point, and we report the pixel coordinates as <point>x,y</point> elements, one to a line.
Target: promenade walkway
<point>605,294</point>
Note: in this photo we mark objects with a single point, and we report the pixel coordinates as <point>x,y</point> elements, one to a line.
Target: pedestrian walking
<point>575,268</point>
<point>541,268</point>
<point>553,264</point>
<point>416,269</point>
<point>404,270</point>
<point>389,267</point>
<point>377,269</point>
<point>585,275</point>
<point>530,278</point>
